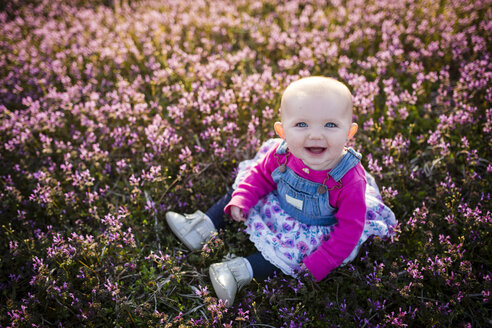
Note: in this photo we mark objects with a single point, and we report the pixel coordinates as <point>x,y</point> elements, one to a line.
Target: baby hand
<point>237,214</point>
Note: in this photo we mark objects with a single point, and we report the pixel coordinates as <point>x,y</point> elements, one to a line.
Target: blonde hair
<point>316,85</point>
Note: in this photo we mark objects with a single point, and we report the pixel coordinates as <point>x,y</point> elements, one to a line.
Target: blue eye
<point>330,125</point>
<point>301,125</point>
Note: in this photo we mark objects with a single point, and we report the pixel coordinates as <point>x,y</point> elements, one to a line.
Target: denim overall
<point>308,201</point>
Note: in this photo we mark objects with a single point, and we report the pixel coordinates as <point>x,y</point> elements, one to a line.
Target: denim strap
<point>282,148</point>
<point>350,159</point>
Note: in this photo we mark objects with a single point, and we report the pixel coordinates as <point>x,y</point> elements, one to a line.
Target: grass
<point>113,113</point>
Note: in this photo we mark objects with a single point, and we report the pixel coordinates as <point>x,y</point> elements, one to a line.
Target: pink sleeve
<point>345,235</point>
<point>257,184</point>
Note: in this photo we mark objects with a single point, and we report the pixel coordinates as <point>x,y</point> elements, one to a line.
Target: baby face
<point>316,126</point>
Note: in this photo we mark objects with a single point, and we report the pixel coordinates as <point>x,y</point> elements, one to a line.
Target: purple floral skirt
<point>284,241</point>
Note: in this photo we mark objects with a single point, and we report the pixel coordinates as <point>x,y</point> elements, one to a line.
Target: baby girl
<point>305,199</point>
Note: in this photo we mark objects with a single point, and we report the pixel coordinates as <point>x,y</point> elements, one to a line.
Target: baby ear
<point>279,129</point>
<point>352,130</point>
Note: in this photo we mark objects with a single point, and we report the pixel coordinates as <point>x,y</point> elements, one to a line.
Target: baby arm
<point>345,235</point>
<point>237,213</point>
<point>257,184</point>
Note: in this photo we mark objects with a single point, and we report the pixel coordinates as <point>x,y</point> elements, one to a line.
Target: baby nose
<point>314,134</point>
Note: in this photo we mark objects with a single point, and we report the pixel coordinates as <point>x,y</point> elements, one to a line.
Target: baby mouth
<point>315,150</point>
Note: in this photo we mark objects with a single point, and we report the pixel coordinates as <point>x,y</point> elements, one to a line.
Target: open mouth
<point>316,150</point>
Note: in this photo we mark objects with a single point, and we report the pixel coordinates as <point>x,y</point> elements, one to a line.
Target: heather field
<point>113,113</point>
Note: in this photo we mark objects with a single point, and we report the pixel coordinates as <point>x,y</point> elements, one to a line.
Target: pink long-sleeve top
<point>348,200</point>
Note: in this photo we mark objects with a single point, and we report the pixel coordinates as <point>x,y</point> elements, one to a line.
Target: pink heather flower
<point>434,138</point>
<point>388,160</point>
<point>202,291</point>
<point>403,113</point>
<point>368,124</point>
<point>112,288</point>
<point>148,157</point>
<point>121,165</point>
<point>373,166</point>
<point>111,221</point>
<point>388,192</point>
<point>41,194</point>
<point>13,247</point>
<point>134,181</point>
<point>128,238</point>
<point>486,295</point>
<point>185,154</point>
<point>419,217</point>
<point>150,206</point>
<point>82,179</point>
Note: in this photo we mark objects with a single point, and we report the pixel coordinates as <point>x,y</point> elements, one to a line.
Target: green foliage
<point>114,112</point>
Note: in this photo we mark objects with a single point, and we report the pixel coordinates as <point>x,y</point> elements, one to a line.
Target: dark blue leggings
<point>262,269</point>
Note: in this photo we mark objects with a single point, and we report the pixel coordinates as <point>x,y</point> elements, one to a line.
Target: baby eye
<point>330,125</point>
<point>301,125</point>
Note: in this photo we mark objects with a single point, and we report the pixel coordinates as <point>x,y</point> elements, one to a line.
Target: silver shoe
<point>228,277</point>
<point>192,229</point>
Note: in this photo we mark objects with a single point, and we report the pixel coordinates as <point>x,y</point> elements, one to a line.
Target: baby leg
<point>216,212</point>
<point>261,268</point>
<point>230,276</point>
<point>195,229</point>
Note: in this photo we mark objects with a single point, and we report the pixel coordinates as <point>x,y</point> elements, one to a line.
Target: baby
<point>307,202</point>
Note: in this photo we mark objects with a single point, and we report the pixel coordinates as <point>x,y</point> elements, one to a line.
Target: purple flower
<point>272,227</point>
<point>303,247</point>
<point>288,255</point>
<point>289,243</point>
<point>259,226</point>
